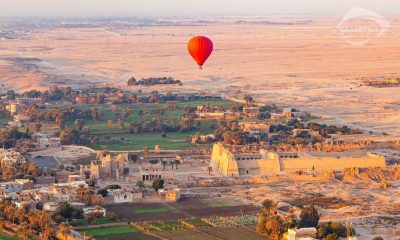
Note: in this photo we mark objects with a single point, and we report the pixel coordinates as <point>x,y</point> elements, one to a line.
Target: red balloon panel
<point>200,48</point>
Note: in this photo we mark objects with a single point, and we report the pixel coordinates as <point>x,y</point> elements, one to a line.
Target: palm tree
<point>269,205</point>
<point>23,231</point>
<point>162,115</point>
<point>140,114</point>
<point>78,124</point>
<point>125,171</point>
<point>20,215</point>
<point>121,123</point>
<point>209,169</point>
<point>81,191</point>
<point>37,127</point>
<point>144,116</point>
<point>127,113</point>
<point>91,218</point>
<point>27,127</point>
<point>176,163</point>
<point>274,227</point>
<point>35,219</point>
<point>10,213</point>
<point>65,230</point>
<point>110,125</point>
<point>164,163</point>
<point>84,193</point>
<point>115,110</point>
<point>249,100</point>
<point>33,170</point>
<point>44,219</point>
<point>59,121</point>
<point>94,114</point>
<point>3,207</point>
<point>48,232</point>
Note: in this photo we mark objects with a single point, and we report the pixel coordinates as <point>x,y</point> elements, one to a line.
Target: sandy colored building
<point>225,160</point>
<point>251,112</point>
<point>12,107</point>
<point>108,166</point>
<point>254,126</point>
<point>255,129</point>
<point>10,157</point>
<point>301,234</point>
<point>172,195</point>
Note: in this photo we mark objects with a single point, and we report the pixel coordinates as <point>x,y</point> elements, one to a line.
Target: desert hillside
<point>306,64</point>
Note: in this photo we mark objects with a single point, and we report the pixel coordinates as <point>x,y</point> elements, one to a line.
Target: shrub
<point>103,192</point>
<point>270,225</point>
<point>325,229</point>
<point>332,236</point>
<point>113,186</point>
<point>158,184</point>
<point>268,204</point>
<point>309,217</point>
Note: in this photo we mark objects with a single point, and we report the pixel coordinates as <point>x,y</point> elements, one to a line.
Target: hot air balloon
<point>200,48</point>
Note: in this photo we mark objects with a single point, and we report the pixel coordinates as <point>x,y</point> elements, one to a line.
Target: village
<point>203,170</point>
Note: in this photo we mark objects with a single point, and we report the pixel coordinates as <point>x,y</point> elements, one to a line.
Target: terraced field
<point>174,230</point>
<point>127,236</point>
<point>231,233</point>
<point>184,209</point>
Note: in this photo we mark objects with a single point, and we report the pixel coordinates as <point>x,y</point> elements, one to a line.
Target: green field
<point>5,236</point>
<point>106,231</point>
<point>120,139</point>
<point>197,223</point>
<point>151,210</point>
<point>212,202</point>
<point>169,225</point>
<point>83,222</point>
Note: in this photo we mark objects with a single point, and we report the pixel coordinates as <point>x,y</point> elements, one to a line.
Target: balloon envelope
<point>200,48</point>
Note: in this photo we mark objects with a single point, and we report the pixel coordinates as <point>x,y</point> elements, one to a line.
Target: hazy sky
<point>190,7</point>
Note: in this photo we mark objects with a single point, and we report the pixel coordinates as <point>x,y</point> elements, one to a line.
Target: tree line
<point>153,81</point>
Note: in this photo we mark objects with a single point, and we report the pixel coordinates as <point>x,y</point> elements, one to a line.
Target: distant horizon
<point>194,18</point>
<point>191,8</point>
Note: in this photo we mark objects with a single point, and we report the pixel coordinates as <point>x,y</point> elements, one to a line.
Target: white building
<point>43,140</point>
<point>77,204</point>
<point>288,110</point>
<point>302,234</point>
<point>15,123</point>
<point>96,209</point>
<point>50,206</point>
<point>22,204</point>
<point>61,198</point>
<point>74,178</point>
<point>120,196</point>
<point>11,187</point>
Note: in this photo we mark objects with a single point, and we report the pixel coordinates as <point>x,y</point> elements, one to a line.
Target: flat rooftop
<point>346,154</point>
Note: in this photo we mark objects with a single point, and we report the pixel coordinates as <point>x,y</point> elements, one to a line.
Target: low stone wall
<point>330,163</point>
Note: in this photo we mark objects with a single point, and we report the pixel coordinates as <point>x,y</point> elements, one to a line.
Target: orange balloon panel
<point>200,48</point>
